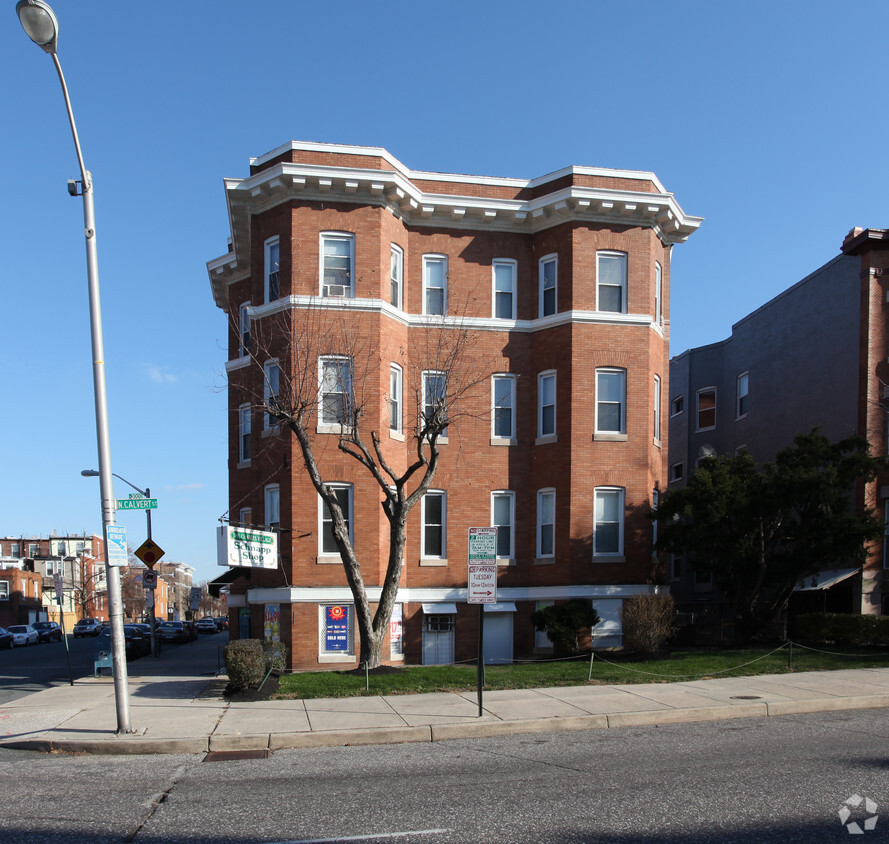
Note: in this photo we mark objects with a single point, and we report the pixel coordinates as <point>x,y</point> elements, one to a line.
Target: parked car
<point>23,634</point>
<point>48,631</point>
<point>222,622</point>
<point>7,640</point>
<point>136,643</point>
<point>174,631</point>
<point>207,625</point>
<point>87,627</point>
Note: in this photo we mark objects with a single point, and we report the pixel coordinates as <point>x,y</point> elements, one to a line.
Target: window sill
<point>322,658</point>
<point>336,428</point>
<point>506,561</point>
<point>609,558</point>
<point>548,438</point>
<point>544,561</point>
<point>504,441</point>
<point>605,437</point>
<point>396,435</point>
<point>433,561</point>
<point>244,464</point>
<point>328,559</point>
<point>657,442</point>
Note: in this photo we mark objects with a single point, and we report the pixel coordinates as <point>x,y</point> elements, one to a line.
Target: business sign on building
<point>246,547</point>
<point>336,628</point>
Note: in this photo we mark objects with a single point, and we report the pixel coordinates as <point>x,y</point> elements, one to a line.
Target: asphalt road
<point>781,779</point>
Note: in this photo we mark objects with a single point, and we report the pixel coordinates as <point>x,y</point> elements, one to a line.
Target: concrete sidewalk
<point>177,708</point>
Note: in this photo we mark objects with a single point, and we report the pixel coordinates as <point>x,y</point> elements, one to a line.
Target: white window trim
<point>658,293</point>
<point>268,424</point>
<point>513,266</point>
<point>548,437</point>
<point>554,258</point>
<point>680,467</point>
<point>738,396</point>
<point>617,556</point>
<point>622,433</point>
<point>349,237</point>
<point>4,590</point>
<point>335,656</point>
<point>611,253</point>
<point>267,269</point>
<point>434,559</point>
<point>509,560</point>
<point>243,328</point>
<point>324,513</point>
<point>656,416</point>
<point>698,408</point>
<point>443,438</point>
<point>324,426</point>
<point>680,399</point>
<point>429,258</point>
<point>245,414</point>
<point>396,433</point>
<point>540,494</point>
<point>497,439</point>
<point>270,493</point>
<point>395,251</point>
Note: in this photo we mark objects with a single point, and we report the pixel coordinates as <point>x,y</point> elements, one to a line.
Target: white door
<point>497,647</point>
<point>438,639</point>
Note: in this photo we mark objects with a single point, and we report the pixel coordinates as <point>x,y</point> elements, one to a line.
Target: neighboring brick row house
<point>817,355</point>
<point>561,284</point>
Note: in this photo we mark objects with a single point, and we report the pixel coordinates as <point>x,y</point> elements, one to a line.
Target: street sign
<point>482,580</point>
<point>136,503</point>
<point>195,598</point>
<point>57,583</point>
<point>149,552</point>
<point>116,537</point>
<point>149,579</point>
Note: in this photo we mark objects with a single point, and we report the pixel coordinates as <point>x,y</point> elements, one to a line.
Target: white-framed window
<point>546,523</point>
<point>658,293</point>
<point>271,391</point>
<point>435,393</point>
<point>435,284</point>
<point>503,518</point>
<point>272,496</point>
<point>245,516</point>
<point>337,262</point>
<point>706,408</point>
<point>434,508</point>
<point>33,550</point>
<point>396,276</point>
<point>677,406</point>
<point>741,392</point>
<point>503,416</point>
<point>4,590</point>
<point>608,523</point>
<point>504,288</point>
<point>611,282</point>
<point>656,411</point>
<point>326,540</point>
<point>15,549</point>
<point>53,566</point>
<point>546,404</point>
<point>395,393</point>
<point>245,416</point>
<point>335,634</point>
<point>61,548</point>
<point>335,400</point>
<point>677,472</point>
<point>272,268</point>
<point>611,401</point>
<point>243,328</point>
<point>548,275</point>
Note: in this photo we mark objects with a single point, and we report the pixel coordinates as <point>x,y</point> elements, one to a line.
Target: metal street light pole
<point>41,26</point>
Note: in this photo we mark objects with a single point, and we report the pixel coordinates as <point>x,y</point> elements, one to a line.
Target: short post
<point>790,655</point>
<point>480,679</point>
<point>592,657</point>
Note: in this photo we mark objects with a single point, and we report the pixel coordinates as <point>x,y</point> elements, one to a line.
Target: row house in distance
<point>562,285</point>
<point>817,355</point>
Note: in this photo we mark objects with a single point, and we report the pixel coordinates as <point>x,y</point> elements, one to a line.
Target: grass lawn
<point>606,669</point>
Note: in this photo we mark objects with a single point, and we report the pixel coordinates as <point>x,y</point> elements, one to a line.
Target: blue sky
<point>765,118</point>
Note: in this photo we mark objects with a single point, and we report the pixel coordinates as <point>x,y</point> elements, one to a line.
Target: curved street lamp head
<point>90,473</point>
<point>40,23</point>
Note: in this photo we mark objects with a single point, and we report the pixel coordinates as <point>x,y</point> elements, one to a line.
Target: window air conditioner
<point>334,290</point>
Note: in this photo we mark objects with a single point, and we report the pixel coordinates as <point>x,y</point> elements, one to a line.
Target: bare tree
<point>133,592</point>
<point>331,371</point>
<point>87,574</point>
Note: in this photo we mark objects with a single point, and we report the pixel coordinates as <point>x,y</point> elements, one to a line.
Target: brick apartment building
<point>817,355</point>
<point>561,285</point>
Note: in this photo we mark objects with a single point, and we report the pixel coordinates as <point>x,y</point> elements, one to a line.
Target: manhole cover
<point>236,755</point>
<point>746,697</point>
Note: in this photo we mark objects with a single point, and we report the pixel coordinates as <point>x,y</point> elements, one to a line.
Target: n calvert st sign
<point>246,547</point>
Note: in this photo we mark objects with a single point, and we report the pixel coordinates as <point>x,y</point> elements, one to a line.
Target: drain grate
<point>236,755</point>
<point>746,697</point>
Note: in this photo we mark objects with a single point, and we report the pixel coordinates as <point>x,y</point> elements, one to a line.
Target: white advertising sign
<point>246,547</point>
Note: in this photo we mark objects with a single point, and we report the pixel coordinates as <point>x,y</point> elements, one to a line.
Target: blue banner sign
<point>337,628</point>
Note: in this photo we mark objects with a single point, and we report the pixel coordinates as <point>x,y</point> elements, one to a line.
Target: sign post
<point>482,588</point>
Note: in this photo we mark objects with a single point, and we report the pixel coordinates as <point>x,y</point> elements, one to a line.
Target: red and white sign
<point>482,584</point>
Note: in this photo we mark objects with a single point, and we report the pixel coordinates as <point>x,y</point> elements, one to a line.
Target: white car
<point>23,634</point>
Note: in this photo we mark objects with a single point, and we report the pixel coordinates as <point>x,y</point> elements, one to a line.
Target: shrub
<point>648,621</point>
<point>564,623</point>
<point>842,628</point>
<point>245,663</point>
<point>274,656</point>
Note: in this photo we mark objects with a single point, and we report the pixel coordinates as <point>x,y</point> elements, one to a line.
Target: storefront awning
<point>224,579</point>
<point>824,580</point>
<point>439,609</point>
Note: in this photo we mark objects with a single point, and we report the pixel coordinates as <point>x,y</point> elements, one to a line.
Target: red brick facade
<point>618,323</point>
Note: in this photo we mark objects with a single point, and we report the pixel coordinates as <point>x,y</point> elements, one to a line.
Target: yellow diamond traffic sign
<point>149,552</point>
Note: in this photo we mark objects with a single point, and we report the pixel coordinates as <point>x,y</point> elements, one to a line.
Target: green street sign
<point>137,504</point>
